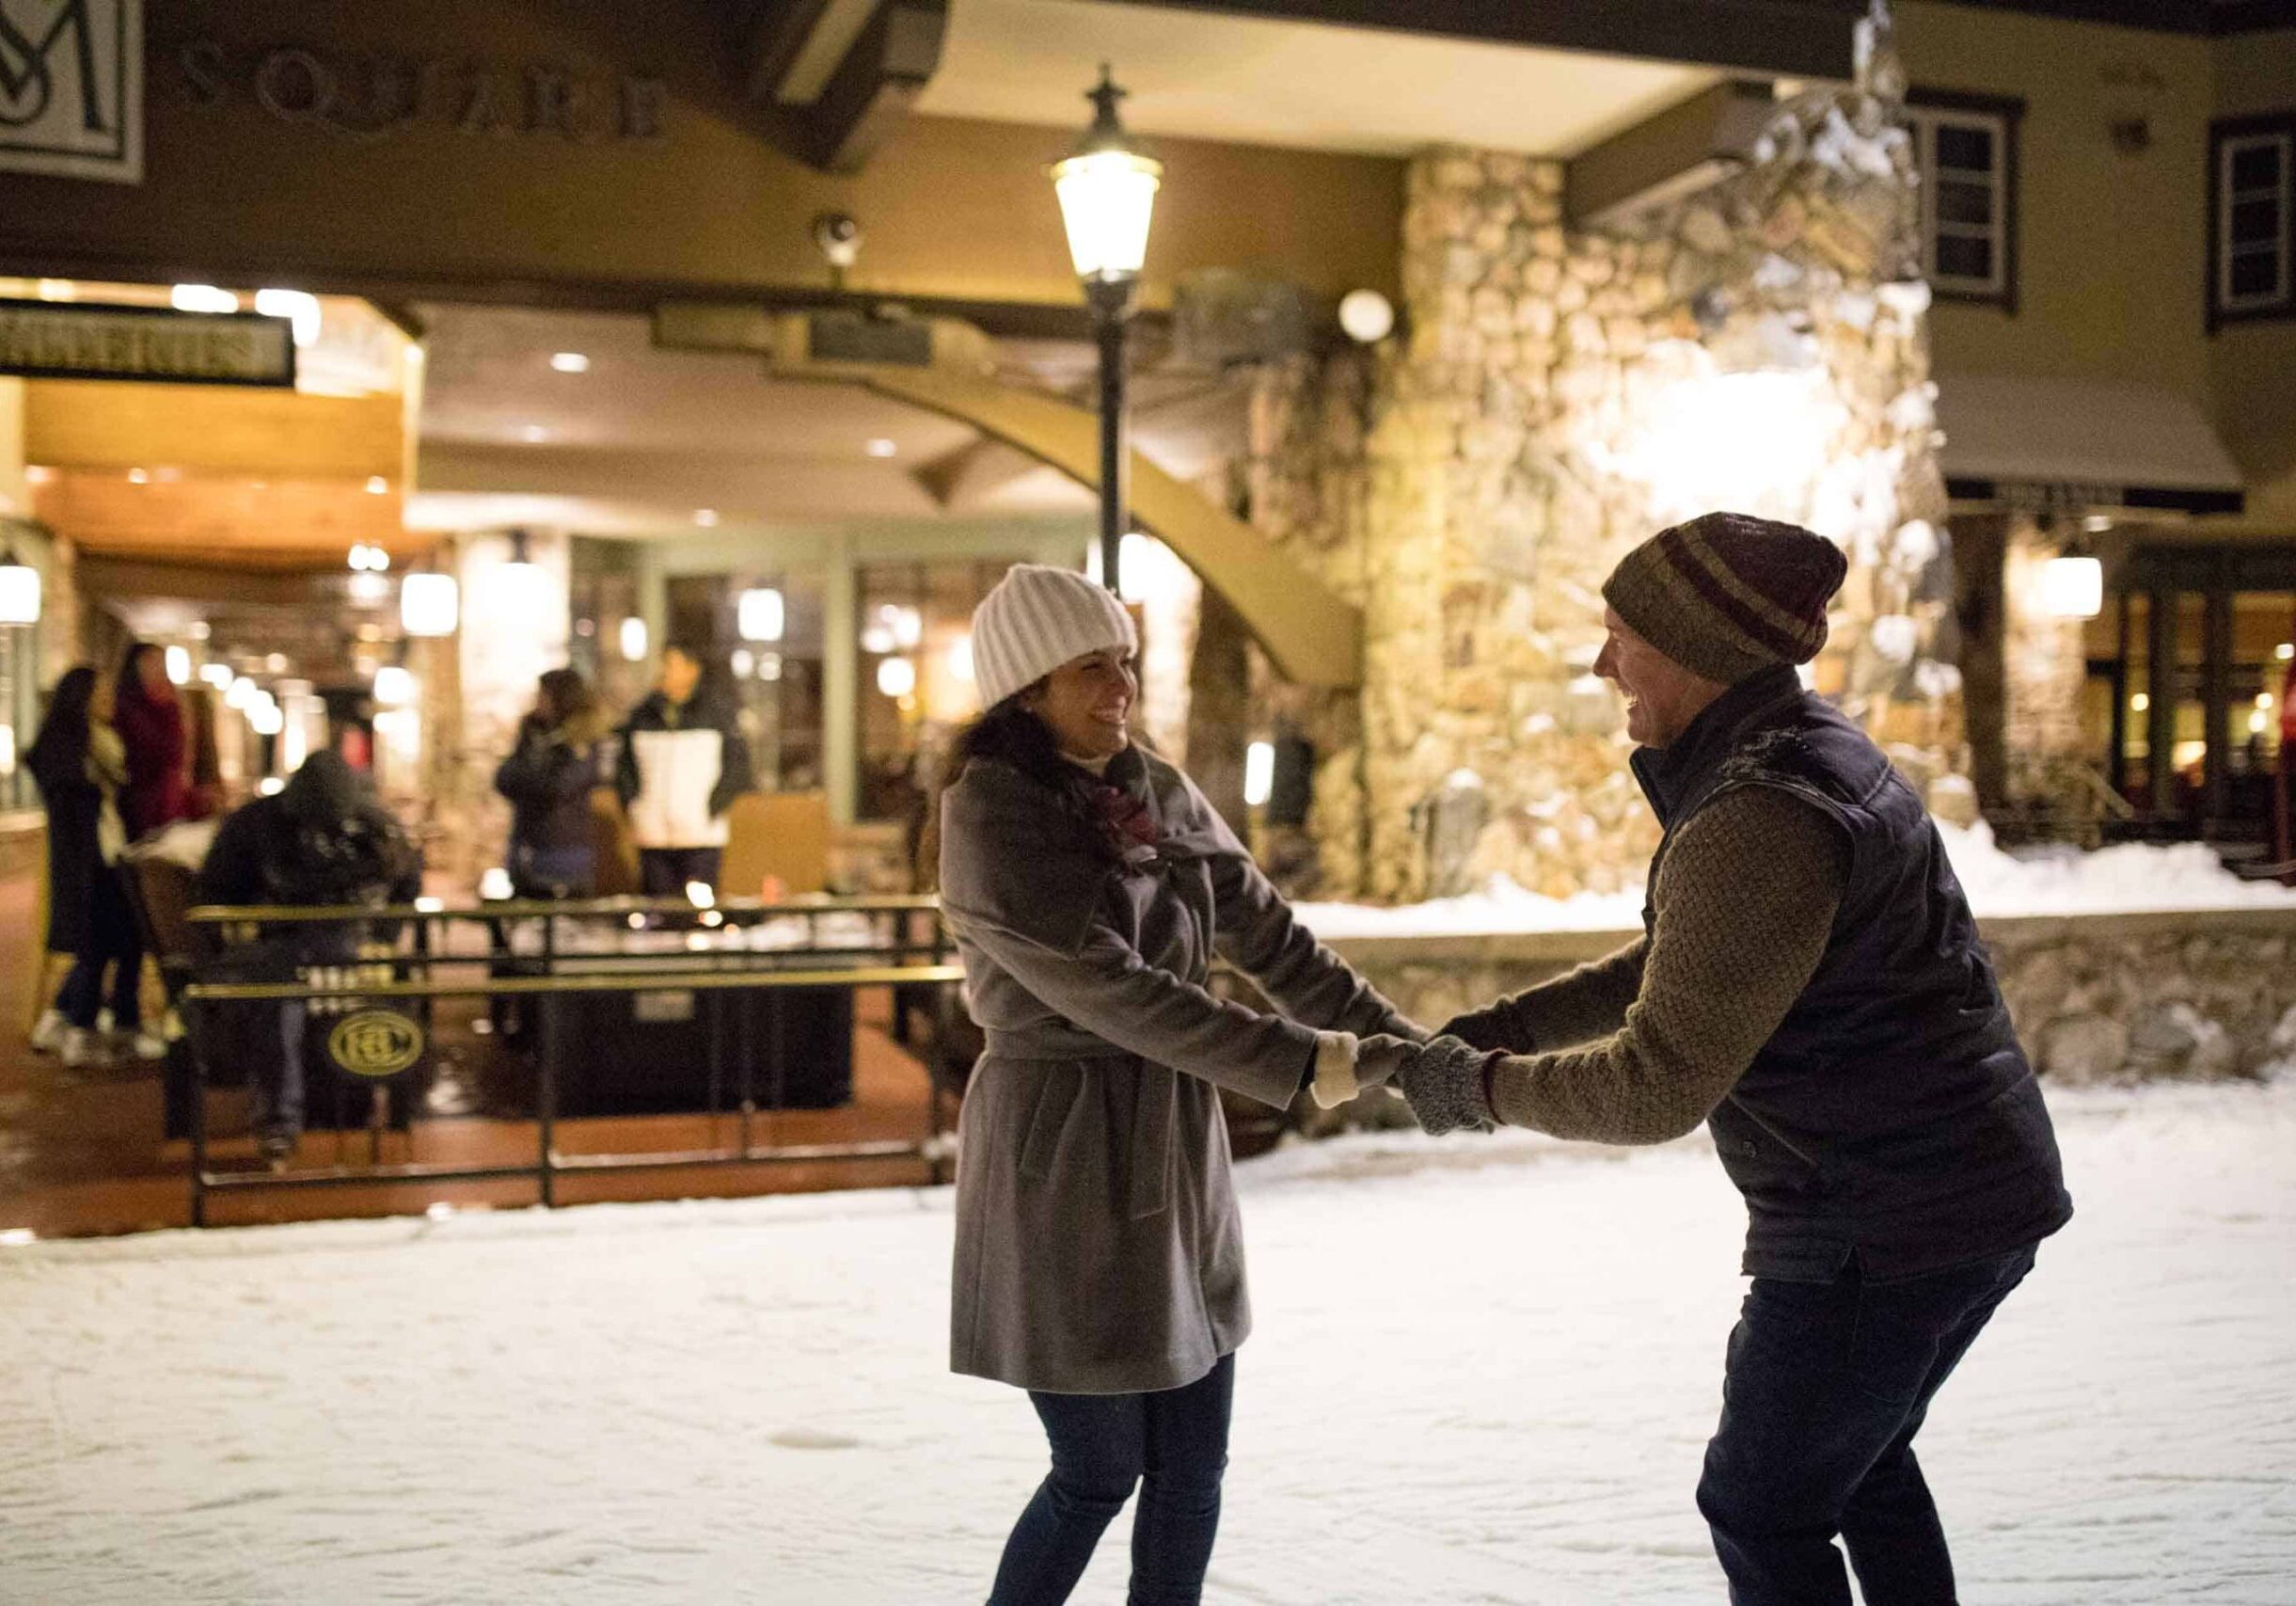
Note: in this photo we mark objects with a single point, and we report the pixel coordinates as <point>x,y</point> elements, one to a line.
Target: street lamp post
<point>1107,190</point>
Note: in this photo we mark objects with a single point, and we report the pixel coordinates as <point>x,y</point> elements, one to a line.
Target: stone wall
<point>2100,998</point>
<point>1556,396</point>
<point>2053,785</point>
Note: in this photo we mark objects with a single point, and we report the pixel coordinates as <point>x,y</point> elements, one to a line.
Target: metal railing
<point>900,958</point>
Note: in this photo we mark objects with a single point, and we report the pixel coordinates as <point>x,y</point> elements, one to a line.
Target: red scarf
<point>1127,820</point>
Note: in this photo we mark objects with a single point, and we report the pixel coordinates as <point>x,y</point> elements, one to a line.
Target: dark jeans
<point>1828,1383</point>
<point>111,940</point>
<point>663,873</point>
<point>1173,1443</point>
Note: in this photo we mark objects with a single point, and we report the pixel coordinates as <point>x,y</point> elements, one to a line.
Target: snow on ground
<point>1484,1372</point>
<point>2128,878</point>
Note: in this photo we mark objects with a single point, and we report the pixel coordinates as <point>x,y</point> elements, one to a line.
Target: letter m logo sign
<point>71,88</point>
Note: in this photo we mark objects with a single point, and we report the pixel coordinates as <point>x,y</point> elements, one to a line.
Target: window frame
<point>1998,115</point>
<point>2224,136</point>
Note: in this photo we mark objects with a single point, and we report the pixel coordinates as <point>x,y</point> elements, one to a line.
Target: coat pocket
<point>1056,1096</point>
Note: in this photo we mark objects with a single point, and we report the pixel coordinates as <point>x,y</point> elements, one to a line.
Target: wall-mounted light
<point>429,604</point>
<point>1366,316</point>
<point>1258,773</point>
<point>760,615</point>
<point>633,633</point>
<point>2073,587</point>
<point>18,589</point>
<point>394,687</point>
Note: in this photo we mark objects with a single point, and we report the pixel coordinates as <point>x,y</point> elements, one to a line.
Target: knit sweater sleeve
<point>1743,905</point>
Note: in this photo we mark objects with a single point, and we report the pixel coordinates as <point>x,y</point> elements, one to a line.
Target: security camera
<point>838,238</point>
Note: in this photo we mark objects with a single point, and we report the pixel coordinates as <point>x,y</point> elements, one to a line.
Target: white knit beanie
<point>1036,619</point>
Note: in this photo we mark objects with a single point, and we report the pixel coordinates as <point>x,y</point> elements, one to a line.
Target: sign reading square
<point>71,88</point>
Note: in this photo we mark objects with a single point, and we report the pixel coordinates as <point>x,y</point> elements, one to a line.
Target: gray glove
<point>1444,1082</point>
<point>1490,1027</point>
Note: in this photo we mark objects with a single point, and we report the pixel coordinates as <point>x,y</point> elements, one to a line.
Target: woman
<point>150,718</point>
<point>548,779</point>
<point>78,764</point>
<point>1099,1260</point>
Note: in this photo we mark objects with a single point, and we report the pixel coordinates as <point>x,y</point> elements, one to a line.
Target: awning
<point>2082,442</point>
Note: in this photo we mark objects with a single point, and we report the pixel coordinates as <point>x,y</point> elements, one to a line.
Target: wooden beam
<point>1673,153</point>
<point>101,424</point>
<point>1313,635</point>
<point>870,95</point>
<point>1792,38</point>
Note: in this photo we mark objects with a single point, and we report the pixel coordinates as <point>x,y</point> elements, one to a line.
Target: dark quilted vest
<point>1892,1115</point>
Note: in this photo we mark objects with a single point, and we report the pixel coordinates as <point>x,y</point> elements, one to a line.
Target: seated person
<point>321,841</point>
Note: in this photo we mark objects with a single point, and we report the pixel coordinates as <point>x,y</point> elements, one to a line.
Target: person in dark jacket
<point>322,841</point>
<point>77,763</point>
<point>1099,1254</point>
<point>683,763</point>
<point>149,717</point>
<point>548,778</point>
<point>1810,985</point>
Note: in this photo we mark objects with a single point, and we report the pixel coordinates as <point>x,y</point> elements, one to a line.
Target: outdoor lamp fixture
<point>1107,190</point>
<point>430,604</point>
<point>18,589</point>
<point>633,634</point>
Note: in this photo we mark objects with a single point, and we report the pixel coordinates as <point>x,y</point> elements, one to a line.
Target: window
<point>1965,148</point>
<point>2252,181</point>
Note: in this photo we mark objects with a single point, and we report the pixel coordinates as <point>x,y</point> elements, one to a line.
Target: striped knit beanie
<point>1727,595</point>
<point>1036,619</point>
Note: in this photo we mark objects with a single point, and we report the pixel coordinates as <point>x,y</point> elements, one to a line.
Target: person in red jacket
<point>149,719</point>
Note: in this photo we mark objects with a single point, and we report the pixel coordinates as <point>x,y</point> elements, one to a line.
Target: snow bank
<point>2133,878</point>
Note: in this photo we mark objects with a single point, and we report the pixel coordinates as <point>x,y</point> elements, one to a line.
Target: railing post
<point>545,1098</point>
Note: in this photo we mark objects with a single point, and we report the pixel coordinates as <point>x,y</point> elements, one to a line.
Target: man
<point>683,763</point>
<point>324,841</point>
<point>1809,983</point>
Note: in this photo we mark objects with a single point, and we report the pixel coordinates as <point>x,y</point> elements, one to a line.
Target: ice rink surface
<point>1485,1371</point>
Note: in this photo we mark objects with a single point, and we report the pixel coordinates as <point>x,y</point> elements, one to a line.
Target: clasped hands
<point>1443,1078</point>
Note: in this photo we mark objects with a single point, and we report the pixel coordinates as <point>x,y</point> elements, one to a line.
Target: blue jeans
<point>1826,1385</point>
<point>1173,1443</point>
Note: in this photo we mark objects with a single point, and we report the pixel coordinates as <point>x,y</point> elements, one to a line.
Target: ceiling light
<point>881,447</point>
<point>533,433</point>
<point>140,477</point>
<point>39,474</point>
<point>200,630</point>
<point>744,663</point>
<point>377,486</point>
<point>179,665</point>
<point>275,663</point>
<point>570,362</point>
<point>216,674</point>
<point>706,517</point>
<point>202,299</point>
<point>394,687</point>
<point>2285,651</point>
<point>366,589</point>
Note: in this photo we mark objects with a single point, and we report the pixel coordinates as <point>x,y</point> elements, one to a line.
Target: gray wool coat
<point>1099,1249</point>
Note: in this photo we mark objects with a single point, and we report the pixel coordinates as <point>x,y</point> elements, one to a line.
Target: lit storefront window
<point>916,688</point>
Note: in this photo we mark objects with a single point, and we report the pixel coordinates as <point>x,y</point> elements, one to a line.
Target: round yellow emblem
<point>376,1043</point>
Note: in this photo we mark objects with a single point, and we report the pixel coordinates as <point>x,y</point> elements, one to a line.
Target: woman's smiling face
<point>1087,701</point>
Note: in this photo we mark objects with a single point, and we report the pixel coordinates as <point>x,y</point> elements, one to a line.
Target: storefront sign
<point>376,1043</point>
<point>64,340</point>
<point>372,94</point>
<point>71,88</point>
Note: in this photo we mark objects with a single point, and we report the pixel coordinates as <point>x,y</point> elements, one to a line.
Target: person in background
<point>321,841</point>
<point>547,779</point>
<point>1099,1251</point>
<point>149,715</point>
<point>683,763</point>
<point>78,764</point>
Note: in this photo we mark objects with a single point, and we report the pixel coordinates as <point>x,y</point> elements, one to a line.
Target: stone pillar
<point>1556,397</point>
<point>2052,784</point>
